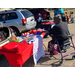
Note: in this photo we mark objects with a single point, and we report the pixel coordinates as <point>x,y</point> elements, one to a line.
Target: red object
<point>54,50</point>
<point>11,47</point>
<point>0,47</point>
<point>15,47</point>
<point>21,56</point>
<point>40,30</point>
<point>43,34</point>
<point>34,31</point>
<point>24,21</point>
<point>47,23</point>
<point>30,31</point>
<point>18,59</point>
<point>11,30</point>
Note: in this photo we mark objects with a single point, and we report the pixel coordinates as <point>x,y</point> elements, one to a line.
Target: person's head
<point>57,9</point>
<point>40,15</point>
<point>65,12</point>
<point>72,13</point>
<point>57,19</point>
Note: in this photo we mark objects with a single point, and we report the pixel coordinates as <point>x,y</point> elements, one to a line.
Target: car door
<point>2,17</point>
<point>11,18</point>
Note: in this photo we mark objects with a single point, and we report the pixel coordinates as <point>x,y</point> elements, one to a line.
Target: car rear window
<point>26,14</point>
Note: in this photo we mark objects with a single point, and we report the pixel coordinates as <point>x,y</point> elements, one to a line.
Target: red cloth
<point>11,47</point>
<point>15,47</point>
<point>43,34</point>
<point>18,59</point>
<point>47,23</point>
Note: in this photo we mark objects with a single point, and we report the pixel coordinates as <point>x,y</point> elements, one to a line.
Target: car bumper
<point>31,26</point>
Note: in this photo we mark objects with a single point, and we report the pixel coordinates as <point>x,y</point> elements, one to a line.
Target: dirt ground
<point>46,60</point>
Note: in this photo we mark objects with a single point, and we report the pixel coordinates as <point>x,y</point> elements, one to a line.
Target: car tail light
<point>24,21</point>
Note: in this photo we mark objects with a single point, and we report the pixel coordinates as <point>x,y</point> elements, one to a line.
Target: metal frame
<point>56,41</point>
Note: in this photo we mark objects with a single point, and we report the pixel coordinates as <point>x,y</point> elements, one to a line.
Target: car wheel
<point>16,31</point>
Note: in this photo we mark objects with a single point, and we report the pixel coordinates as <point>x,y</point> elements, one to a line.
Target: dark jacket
<point>60,31</point>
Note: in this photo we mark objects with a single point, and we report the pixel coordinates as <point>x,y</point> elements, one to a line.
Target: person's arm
<point>55,31</point>
<point>44,32</point>
<point>50,32</point>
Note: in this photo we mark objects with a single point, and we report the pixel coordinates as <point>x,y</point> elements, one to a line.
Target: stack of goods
<point>15,39</point>
<point>29,36</point>
<point>36,32</point>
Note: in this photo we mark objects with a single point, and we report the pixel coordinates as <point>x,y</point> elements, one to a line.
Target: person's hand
<point>44,32</point>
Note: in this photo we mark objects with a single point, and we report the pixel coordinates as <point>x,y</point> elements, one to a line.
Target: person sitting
<point>40,19</point>
<point>59,30</point>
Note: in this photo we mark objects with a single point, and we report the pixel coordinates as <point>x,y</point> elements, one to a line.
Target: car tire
<point>16,31</point>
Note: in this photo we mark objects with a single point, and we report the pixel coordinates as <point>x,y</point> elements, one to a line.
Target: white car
<point>19,20</point>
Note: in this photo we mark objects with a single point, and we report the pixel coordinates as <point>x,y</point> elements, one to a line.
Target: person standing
<point>48,16</point>
<point>63,18</point>
<point>61,11</point>
<point>56,11</point>
<point>67,17</point>
<point>72,17</point>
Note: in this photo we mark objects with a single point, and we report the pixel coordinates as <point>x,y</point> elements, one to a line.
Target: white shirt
<point>40,19</point>
<point>72,15</point>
